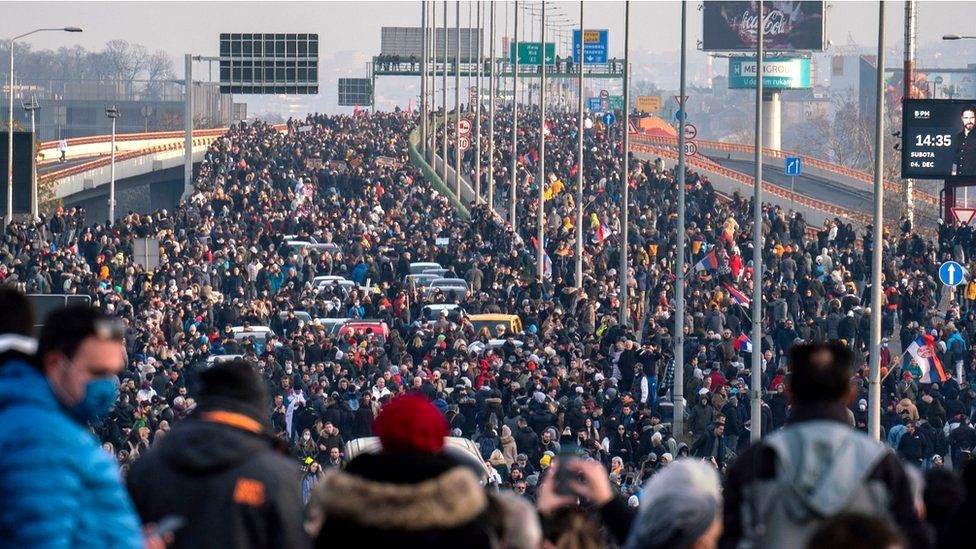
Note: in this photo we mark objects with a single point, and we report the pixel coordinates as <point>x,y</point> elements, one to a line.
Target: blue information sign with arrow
<point>793,166</point>
<point>951,273</point>
<point>609,119</point>
<point>594,46</point>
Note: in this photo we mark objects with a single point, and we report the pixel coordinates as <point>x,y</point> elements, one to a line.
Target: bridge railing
<point>75,141</point>
<point>864,177</point>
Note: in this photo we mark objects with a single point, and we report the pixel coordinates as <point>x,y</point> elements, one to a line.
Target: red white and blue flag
<point>736,295</point>
<point>708,263</point>
<point>922,351</point>
<point>743,343</point>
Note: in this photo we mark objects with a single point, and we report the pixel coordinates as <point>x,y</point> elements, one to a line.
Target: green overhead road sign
<point>616,103</point>
<point>529,53</point>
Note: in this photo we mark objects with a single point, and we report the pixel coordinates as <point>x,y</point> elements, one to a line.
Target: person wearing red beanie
<point>412,493</point>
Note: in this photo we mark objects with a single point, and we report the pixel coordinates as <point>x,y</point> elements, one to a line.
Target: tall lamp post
<point>10,120</point>
<point>31,107</point>
<point>113,114</point>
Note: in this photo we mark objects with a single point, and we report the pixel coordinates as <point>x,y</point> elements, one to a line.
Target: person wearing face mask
<point>45,404</point>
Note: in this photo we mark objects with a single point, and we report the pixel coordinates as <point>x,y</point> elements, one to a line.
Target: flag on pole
<point>708,263</point>
<point>922,351</point>
<point>743,343</point>
<point>410,106</point>
<point>736,295</point>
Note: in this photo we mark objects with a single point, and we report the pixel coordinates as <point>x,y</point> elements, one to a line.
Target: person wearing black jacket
<point>818,389</point>
<point>222,472</point>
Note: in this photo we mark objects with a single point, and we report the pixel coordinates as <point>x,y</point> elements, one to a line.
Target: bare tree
<point>159,68</point>
<point>125,59</point>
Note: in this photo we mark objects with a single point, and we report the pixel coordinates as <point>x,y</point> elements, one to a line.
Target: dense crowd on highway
<point>303,252</point>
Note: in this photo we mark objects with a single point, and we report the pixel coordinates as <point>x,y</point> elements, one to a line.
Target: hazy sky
<point>349,32</point>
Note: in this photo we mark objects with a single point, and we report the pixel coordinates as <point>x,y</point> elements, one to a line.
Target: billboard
<point>269,63</point>
<point>788,26</point>
<point>355,92</point>
<point>23,171</point>
<point>406,42</point>
<point>938,139</point>
<point>778,73</point>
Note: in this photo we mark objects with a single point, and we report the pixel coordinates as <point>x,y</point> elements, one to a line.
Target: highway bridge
<point>149,174</point>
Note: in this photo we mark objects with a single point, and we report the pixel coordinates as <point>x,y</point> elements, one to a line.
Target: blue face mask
<point>100,395</point>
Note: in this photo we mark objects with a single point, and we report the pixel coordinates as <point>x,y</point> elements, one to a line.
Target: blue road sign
<point>594,46</point>
<point>951,273</point>
<point>595,104</point>
<point>678,114</point>
<point>609,119</point>
<point>793,166</point>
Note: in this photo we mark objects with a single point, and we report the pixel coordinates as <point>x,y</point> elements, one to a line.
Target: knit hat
<point>410,423</point>
<point>677,506</point>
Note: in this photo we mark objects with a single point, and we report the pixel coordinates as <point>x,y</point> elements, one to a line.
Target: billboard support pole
<point>444,99</point>
<point>874,380</point>
<point>908,77</point>
<point>757,264</point>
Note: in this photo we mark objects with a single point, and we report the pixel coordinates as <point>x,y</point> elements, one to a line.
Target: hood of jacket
<point>199,446</point>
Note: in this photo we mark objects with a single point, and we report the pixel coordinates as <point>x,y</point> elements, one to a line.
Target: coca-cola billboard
<point>788,25</point>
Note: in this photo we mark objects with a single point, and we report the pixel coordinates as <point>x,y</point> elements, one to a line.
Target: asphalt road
<point>812,186</point>
<point>55,166</point>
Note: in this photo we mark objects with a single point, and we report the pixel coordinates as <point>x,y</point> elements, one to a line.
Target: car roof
<point>492,316</point>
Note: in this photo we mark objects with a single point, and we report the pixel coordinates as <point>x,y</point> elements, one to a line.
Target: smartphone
<point>568,453</point>
<point>168,525</point>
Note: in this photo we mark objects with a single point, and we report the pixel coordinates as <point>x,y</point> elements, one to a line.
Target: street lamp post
<point>113,114</point>
<point>32,106</point>
<point>10,121</point>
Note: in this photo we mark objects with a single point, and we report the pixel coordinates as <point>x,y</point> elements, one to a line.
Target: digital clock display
<point>935,139</point>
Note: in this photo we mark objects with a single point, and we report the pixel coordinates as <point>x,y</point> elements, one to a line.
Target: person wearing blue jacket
<point>60,488</point>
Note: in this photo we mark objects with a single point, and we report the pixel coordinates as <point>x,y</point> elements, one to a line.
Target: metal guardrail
<point>212,132</point>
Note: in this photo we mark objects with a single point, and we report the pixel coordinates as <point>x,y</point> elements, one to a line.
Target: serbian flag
<point>410,106</point>
<point>736,295</point>
<point>922,351</point>
<point>355,110</point>
<point>708,263</point>
<point>743,343</point>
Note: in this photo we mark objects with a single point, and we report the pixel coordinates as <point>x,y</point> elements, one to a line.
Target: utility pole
<point>491,110</point>
<point>578,275</point>
<point>541,229</point>
<point>477,114</point>
<point>757,269</point>
<point>423,78</point>
<point>457,100</point>
<point>513,191</point>
<point>677,394</point>
<point>874,381</point>
<point>188,129</point>
<point>625,172</point>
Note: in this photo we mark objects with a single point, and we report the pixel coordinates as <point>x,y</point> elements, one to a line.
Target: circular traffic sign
<point>690,131</point>
<point>679,114</point>
<point>609,119</point>
<point>464,126</point>
<point>604,94</point>
<point>464,142</point>
<point>951,273</point>
<point>691,148</point>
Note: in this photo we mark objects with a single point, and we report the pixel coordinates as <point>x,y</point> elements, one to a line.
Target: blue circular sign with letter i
<point>951,273</point>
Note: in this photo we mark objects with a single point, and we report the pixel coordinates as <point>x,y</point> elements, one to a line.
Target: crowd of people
<point>573,377</point>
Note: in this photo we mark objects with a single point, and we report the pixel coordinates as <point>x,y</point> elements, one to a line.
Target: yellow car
<point>497,324</point>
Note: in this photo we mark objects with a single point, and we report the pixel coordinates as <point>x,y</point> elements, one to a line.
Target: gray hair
<point>677,506</point>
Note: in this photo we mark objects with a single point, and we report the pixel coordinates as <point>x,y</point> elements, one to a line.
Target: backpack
<point>822,469</point>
